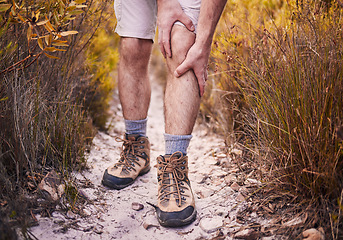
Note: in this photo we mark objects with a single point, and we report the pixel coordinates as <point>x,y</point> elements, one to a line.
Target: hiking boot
<point>175,206</point>
<point>134,161</point>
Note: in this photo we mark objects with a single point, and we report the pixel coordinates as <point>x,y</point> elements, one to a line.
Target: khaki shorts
<point>137,18</point>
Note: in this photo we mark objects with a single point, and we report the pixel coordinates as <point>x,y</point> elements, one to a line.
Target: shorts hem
<point>149,36</point>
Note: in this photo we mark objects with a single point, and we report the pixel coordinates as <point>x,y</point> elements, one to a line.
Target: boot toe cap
<point>114,182</point>
<point>177,218</point>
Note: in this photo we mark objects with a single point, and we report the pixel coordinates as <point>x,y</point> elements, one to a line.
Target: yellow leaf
<point>50,56</point>
<point>60,44</point>
<point>59,41</point>
<point>46,38</point>
<point>81,6</point>
<point>76,12</point>
<point>66,33</point>
<point>70,8</point>
<point>5,7</point>
<point>42,22</point>
<point>48,26</point>
<point>53,49</point>
<point>29,33</point>
<point>37,15</point>
<point>80,1</point>
<point>40,43</point>
<point>69,18</point>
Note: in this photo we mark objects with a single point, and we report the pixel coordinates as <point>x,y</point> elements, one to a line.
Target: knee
<point>135,51</point>
<point>181,41</point>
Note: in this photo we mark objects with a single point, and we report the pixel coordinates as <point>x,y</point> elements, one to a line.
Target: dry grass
<point>282,88</point>
<point>45,100</point>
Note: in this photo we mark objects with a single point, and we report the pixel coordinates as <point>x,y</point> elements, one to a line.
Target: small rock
<point>229,179</point>
<point>147,226</point>
<point>240,197</point>
<point>86,212</point>
<point>98,229</point>
<point>236,151</point>
<point>143,180</point>
<point>248,234</point>
<point>294,222</point>
<point>71,215</point>
<point>243,190</point>
<point>211,224</point>
<point>221,155</point>
<point>314,234</point>
<point>51,186</point>
<point>137,206</point>
<point>234,186</point>
<point>251,181</point>
<point>83,194</point>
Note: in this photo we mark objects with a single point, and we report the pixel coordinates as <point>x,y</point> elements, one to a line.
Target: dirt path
<point>108,214</point>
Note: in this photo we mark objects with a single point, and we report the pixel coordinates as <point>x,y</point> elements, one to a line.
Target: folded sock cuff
<point>176,143</point>
<point>136,126</point>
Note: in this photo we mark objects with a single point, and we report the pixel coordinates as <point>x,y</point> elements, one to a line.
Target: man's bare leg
<point>176,206</point>
<point>134,94</point>
<point>182,98</point>
<point>133,79</point>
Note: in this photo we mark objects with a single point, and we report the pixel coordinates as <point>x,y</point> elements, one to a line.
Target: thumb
<point>187,22</point>
<point>181,69</point>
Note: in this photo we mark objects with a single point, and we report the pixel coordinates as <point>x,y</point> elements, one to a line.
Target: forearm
<point>210,13</point>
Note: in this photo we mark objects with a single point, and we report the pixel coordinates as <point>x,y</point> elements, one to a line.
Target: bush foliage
<point>278,77</point>
<point>50,81</point>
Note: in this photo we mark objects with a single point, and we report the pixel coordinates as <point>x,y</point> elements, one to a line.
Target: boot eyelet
<point>182,167</point>
<point>184,162</point>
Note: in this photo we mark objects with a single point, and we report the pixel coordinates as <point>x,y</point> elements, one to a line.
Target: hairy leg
<point>182,98</point>
<point>133,80</point>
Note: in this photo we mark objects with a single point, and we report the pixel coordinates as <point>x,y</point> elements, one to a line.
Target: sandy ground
<point>108,214</point>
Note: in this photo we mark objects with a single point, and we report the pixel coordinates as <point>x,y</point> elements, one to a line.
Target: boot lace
<point>128,157</point>
<point>174,168</point>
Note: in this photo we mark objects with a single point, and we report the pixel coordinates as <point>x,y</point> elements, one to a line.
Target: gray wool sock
<point>176,143</point>
<point>136,126</point>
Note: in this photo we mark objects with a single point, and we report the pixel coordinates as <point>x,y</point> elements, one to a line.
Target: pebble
<point>221,155</point>
<point>86,212</point>
<point>71,215</point>
<point>236,151</point>
<point>137,206</point>
<point>314,234</point>
<point>229,179</point>
<point>211,224</point>
<point>294,222</point>
<point>252,181</point>
<point>240,197</point>
<point>248,234</point>
<point>234,186</point>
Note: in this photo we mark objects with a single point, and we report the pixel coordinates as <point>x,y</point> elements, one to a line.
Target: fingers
<point>202,82</point>
<point>160,43</point>
<point>187,22</point>
<point>164,41</point>
<point>201,75</point>
<point>182,68</point>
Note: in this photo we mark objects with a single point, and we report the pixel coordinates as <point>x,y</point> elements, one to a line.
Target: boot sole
<point>111,185</point>
<point>174,223</point>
